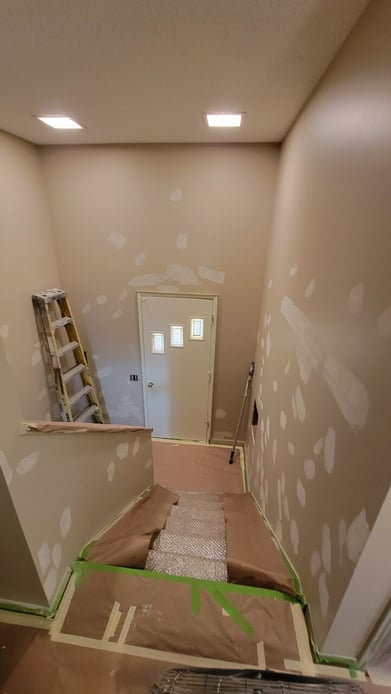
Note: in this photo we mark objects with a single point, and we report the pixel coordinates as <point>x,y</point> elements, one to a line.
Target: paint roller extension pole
<point>249,378</point>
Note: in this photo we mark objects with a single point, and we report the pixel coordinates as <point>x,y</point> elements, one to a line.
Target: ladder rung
<point>84,391</point>
<point>68,375</point>
<point>87,413</point>
<point>60,322</point>
<point>67,348</point>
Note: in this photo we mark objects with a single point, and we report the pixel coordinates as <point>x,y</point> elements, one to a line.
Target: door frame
<point>178,295</point>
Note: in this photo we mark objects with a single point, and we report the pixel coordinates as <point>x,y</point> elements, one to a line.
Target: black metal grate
<point>197,681</point>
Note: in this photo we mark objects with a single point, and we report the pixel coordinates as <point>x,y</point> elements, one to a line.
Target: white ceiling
<point>147,70</point>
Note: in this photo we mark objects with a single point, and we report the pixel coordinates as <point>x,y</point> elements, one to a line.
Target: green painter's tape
<point>86,550</point>
<point>237,616</point>
<point>349,663</point>
<point>47,612</point>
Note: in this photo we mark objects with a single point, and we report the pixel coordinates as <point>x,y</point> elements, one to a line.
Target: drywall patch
<point>65,522</point>
<point>101,299</point>
<point>42,393</point>
<point>117,240</point>
<point>170,288</point>
<point>294,408</point>
<point>295,538</point>
<point>183,274</point>
<point>220,414</point>
<point>350,394</point>
<point>140,259</point>
<point>309,290</point>
<point>4,331</point>
<point>301,412</point>
<point>288,366</point>
<point>383,324</point>
<point>151,280</point>
<point>105,372</point>
<point>326,548</point>
<point>148,464</point>
<point>268,345</point>
<point>181,241</point>
<point>309,350</point>
<point>4,465</point>
<point>275,386</point>
<point>123,295</point>
<point>267,429</point>
<point>300,491</point>
<point>117,313</point>
<point>293,270</point>
<point>50,583</point>
<point>27,463</point>
<point>318,446</point>
<point>136,446</point>
<point>356,298</point>
<point>316,563</point>
<point>329,450</point>
<point>110,471</point>
<point>216,276</point>
<point>323,595</point>
<point>291,448</point>
<point>278,531</point>
<point>285,506</point>
<point>283,482</point>
<point>274,450</point>
<point>43,555</point>
<point>176,195</point>
<point>36,357</point>
<point>309,469</point>
<point>283,420</point>
<point>357,536</point>
<point>122,450</point>
<point>56,555</point>
<point>270,284</point>
<point>86,309</point>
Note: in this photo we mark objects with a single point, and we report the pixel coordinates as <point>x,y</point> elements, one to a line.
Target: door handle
<point>150,384</point>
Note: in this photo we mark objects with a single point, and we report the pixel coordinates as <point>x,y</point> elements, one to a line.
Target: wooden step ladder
<point>67,357</point>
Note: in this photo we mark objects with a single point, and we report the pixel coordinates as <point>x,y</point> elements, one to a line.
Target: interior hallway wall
<point>27,264</point>
<point>319,457</point>
<point>168,218</point>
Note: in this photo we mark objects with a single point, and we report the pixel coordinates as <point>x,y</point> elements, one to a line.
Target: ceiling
<point>147,70</point>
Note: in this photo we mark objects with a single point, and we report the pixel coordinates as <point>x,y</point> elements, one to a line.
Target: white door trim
<point>214,299</point>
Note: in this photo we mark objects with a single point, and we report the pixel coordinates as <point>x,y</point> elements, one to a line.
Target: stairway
<point>193,540</point>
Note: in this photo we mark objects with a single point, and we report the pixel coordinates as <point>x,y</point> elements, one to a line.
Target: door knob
<point>150,384</point>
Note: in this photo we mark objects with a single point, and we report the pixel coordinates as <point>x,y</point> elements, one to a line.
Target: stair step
<point>195,526</point>
<point>67,348</point>
<point>208,496</point>
<point>184,565</point>
<point>87,413</point>
<point>190,545</point>
<point>192,512</point>
<point>200,504</point>
<point>68,375</point>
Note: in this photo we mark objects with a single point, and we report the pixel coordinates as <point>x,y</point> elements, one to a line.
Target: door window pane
<point>196,328</point>
<point>176,335</point>
<point>157,343</point>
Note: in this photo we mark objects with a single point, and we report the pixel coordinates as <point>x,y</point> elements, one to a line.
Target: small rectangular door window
<point>196,328</point>
<point>176,335</point>
<point>157,343</point>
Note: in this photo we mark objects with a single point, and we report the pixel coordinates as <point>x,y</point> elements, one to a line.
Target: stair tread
<point>195,526</point>
<point>184,565</point>
<point>193,512</point>
<point>190,545</point>
<point>200,504</point>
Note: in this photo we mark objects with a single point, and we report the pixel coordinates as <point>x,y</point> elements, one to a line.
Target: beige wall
<point>321,461</point>
<point>183,218</point>
<point>27,264</point>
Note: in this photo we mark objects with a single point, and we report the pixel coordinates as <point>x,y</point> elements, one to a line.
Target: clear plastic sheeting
<point>183,565</point>
<point>191,545</point>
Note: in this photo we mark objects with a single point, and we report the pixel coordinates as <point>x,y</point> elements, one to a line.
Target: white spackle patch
<point>148,464</point>
<point>268,345</point>
<point>181,241</point>
<point>329,450</point>
<point>42,394</point>
<point>291,448</point>
<point>275,386</point>
<point>122,450</point>
<point>50,584</point>
<point>117,240</point>
<point>151,280</point>
<point>357,536</point>
<point>342,534</point>
<point>294,408</point>
<point>318,446</point>
<point>56,555</point>
<point>279,499</point>
<point>101,299</point>
<point>350,394</point>
<point>43,555</point>
<point>301,412</point>
<point>316,563</point>
<point>288,366</point>
<point>123,295</point>
<point>300,491</point>
<point>176,195</point>
<point>4,331</point>
<point>295,536</point>
<point>309,350</point>
<point>117,313</point>
<point>140,259</point>
<point>48,417</point>
<point>110,471</point>
<point>105,372</point>
<point>220,414</point>
<point>267,430</point>
<point>65,522</point>
<point>27,463</point>
<point>309,469</point>
<point>183,274</point>
<point>356,298</point>
<point>36,357</point>
<point>269,320</point>
<point>86,309</point>
<point>293,270</point>
<point>136,446</point>
<point>285,505</point>
<point>270,284</point>
<point>326,548</point>
<point>283,482</point>
<point>323,595</point>
<point>262,343</point>
<point>274,450</point>
<point>309,290</point>
<point>260,390</point>
<point>383,324</point>
<point>4,465</point>
<point>265,320</point>
<point>217,276</point>
<point>278,531</point>
<point>262,427</point>
<point>283,420</point>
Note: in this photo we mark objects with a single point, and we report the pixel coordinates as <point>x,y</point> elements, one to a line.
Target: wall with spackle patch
<point>170,218</point>
<point>27,264</point>
<point>319,458</point>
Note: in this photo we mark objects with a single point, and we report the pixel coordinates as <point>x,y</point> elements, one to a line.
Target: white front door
<point>177,336</point>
